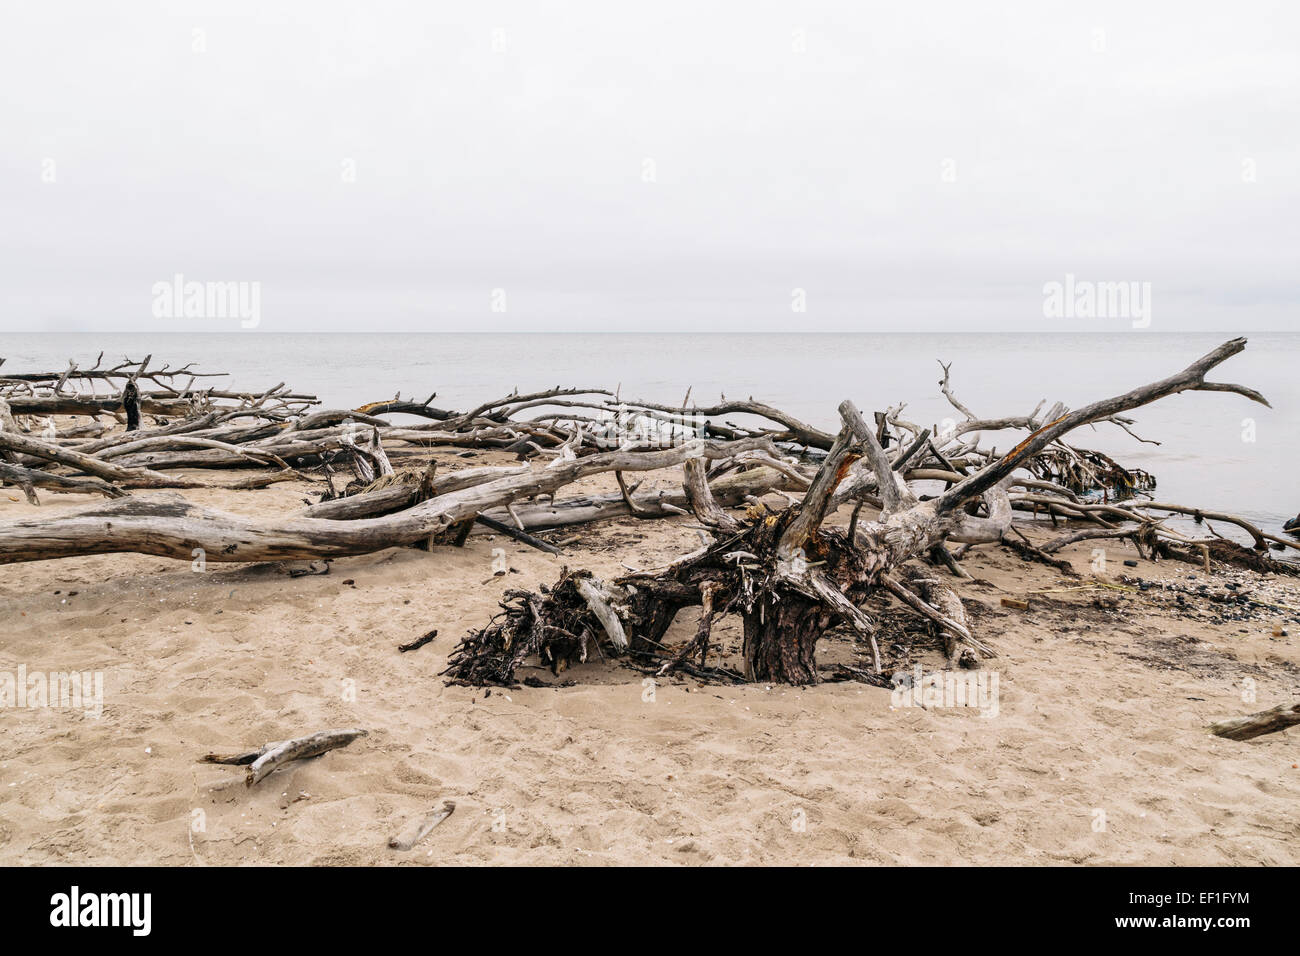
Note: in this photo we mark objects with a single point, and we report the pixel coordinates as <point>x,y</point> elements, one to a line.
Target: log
<point>1256,725</point>
<point>24,477</point>
<point>406,408</point>
<point>728,491</point>
<point>123,476</point>
<point>86,405</point>
<point>170,526</point>
<point>523,537</point>
<point>396,497</point>
<point>300,748</point>
<point>419,642</point>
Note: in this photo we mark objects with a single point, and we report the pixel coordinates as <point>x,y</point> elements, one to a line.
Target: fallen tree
<point>787,574</point>
<point>170,526</point>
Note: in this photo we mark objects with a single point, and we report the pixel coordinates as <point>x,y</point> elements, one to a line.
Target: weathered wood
<point>396,497</point>
<point>812,510</point>
<point>789,577</point>
<point>170,526</point>
<point>87,405</point>
<point>17,475</point>
<point>300,748</point>
<point>396,407</point>
<point>131,405</point>
<point>786,573</point>
<point>1191,378</point>
<point>419,828</point>
<point>891,490</point>
<point>419,642</point>
<point>730,490</point>
<point>695,485</point>
<point>523,537</point>
<point>598,601</point>
<point>1256,725</point>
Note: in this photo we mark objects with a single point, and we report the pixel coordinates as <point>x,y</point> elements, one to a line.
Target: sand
<point>1098,752</point>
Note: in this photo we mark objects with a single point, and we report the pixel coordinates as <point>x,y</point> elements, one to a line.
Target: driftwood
<point>74,405</point>
<point>170,526</point>
<point>1256,725</point>
<point>786,574</point>
<point>789,574</point>
<point>419,828</point>
<point>22,477</point>
<point>263,761</point>
<point>131,405</point>
<point>523,537</point>
<point>15,474</point>
<point>419,642</point>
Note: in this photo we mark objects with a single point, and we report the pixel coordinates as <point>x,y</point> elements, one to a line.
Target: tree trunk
<point>781,641</point>
<point>131,403</point>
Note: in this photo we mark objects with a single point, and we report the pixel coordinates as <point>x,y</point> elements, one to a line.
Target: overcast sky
<point>649,166</point>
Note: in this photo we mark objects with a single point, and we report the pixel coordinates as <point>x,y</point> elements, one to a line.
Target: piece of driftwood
<point>27,476</point>
<point>31,451</point>
<point>75,405</point>
<point>271,756</point>
<point>728,491</point>
<point>327,740</point>
<point>299,748</point>
<point>419,642</point>
<point>401,493</point>
<point>523,537</point>
<point>1256,725</point>
<point>419,828</point>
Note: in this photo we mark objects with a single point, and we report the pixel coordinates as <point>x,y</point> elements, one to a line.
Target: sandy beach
<point>1097,753</point>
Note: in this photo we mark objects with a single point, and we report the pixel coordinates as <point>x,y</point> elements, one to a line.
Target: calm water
<point>1204,458</point>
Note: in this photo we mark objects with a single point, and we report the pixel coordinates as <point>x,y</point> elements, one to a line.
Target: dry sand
<point>1100,711</point>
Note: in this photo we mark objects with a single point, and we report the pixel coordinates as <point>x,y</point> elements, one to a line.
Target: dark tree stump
<point>131,403</point>
<point>781,643</point>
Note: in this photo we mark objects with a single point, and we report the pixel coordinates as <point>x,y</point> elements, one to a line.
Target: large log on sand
<point>1256,725</point>
<point>170,526</point>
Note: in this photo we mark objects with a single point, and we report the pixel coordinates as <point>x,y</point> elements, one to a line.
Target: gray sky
<point>909,166</point>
